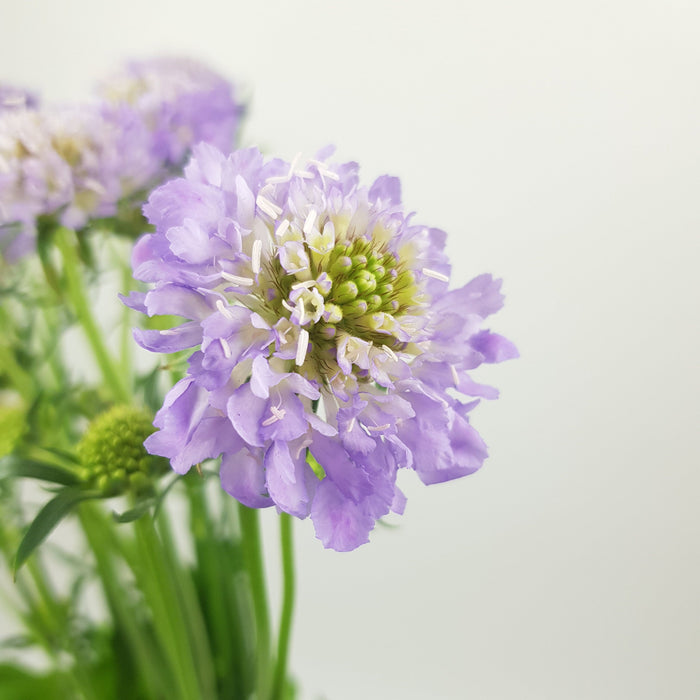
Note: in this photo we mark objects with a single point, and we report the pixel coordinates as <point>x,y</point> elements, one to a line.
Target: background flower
<point>79,162</point>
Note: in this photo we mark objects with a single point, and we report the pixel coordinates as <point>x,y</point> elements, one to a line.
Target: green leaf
<point>18,683</point>
<point>48,517</point>
<point>14,466</point>
<point>136,512</point>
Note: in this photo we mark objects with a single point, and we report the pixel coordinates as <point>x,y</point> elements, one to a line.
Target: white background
<point>558,143</point>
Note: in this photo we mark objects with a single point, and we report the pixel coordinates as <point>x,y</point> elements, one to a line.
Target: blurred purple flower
<point>13,97</point>
<point>328,352</point>
<point>79,162</point>
<point>181,102</point>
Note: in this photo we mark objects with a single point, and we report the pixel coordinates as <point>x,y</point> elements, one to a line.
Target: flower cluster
<point>79,161</point>
<point>329,352</point>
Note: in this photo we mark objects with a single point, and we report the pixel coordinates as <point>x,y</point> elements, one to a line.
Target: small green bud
<point>340,266</point>
<point>359,261</point>
<point>332,313</point>
<point>374,301</point>
<point>347,291</point>
<point>365,282</point>
<point>355,308</point>
<point>327,332</point>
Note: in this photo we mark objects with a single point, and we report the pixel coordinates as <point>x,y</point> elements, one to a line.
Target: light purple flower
<point>327,351</point>
<point>180,101</point>
<point>75,163</point>
<point>78,163</point>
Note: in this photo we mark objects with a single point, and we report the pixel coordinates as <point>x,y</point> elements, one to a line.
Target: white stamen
<point>169,331</point>
<point>324,171</point>
<point>302,310</point>
<point>280,413</point>
<point>302,347</point>
<point>351,424</point>
<point>257,252</point>
<point>307,284</point>
<point>304,174</point>
<point>277,415</point>
<point>435,275</point>
<point>283,334</point>
<point>282,228</point>
<point>223,309</point>
<point>455,376</point>
<point>240,281</point>
<point>310,221</point>
<point>390,352</point>
<point>225,347</point>
<point>17,101</point>
<point>268,207</point>
<point>277,179</point>
<point>293,165</point>
<point>95,186</point>
<point>378,428</point>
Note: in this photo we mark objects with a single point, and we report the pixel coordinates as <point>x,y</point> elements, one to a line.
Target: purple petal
<point>494,347</point>
<point>243,477</point>
<point>340,523</point>
<point>188,335</point>
<point>287,479</point>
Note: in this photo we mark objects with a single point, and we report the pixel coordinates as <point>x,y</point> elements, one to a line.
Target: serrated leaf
<point>14,466</point>
<point>47,518</point>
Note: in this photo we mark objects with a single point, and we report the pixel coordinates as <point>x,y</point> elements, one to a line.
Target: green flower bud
<point>112,454</point>
<point>374,301</point>
<point>365,282</point>
<point>340,266</point>
<point>347,291</point>
<point>332,313</point>
<point>355,308</point>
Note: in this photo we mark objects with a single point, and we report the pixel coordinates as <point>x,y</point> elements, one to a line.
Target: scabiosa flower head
<point>74,163</point>
<point>79,163</point>
<point>181,101</point>
<point>34,179</point>
<point>112,455</point>
<point>328,351</point>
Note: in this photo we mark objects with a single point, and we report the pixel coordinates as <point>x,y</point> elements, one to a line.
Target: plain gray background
<point>558,144</point>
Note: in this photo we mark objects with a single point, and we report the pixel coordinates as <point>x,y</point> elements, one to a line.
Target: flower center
<point>346,293</point>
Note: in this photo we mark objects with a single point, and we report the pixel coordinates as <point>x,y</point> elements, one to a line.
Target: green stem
<point>158,581</point>
<point>126,339</point>
<point>107,548</point>
<point>252,551</point>
<point>81,307</point>
<point>287,546</point>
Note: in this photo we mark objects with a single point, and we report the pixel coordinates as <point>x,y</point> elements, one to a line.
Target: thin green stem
<point>287,546</point>
<point>81,307</point>
<point>252,551</point>
<point>107,548</point>
<point>126,339</point>
<point>158,581</point>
